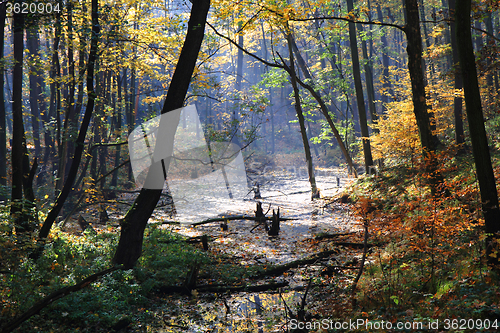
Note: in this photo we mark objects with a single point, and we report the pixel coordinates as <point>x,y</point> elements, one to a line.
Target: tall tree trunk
<point>239,77</point>
<point>32,39</point>
<point>71,117</point>
<point>370,90</point>
<point>118,129</point>
<point>80,141</point>
<point>489,75</point>
<point>363,123</point>
<point>445,5</point>
<point>478,39</point>
<point>480,149</point>
<point>457,103</point>
<point>81,65</point>
<point>300,116</point>
<point>133,224</point>
<point>54,108</point>
<point>317,95</point>
<point>131,108</point>
<point>3,131</point>
<point>386,84</point>
<point>271,111</point>
<point>414,49</point>
<point>18,139</point>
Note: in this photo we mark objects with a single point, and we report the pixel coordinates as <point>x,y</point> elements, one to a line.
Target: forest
<point>249,166</point>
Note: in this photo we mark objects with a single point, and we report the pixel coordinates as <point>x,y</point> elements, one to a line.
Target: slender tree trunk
<point>71,117</point>
<point>414,49</point>
<point>300,116</point>
<point>363,123</point>
<point>54,108</point>
<point>457,103</point>
<point>239,77</point>
<point>80,141</point>
<point>3,131</point>
<point>489,76</point>
<point>324,109</point>
<point>118,130</point>
<point>271,111</point>
<point>133,224</point>
<point>104,135</point>
<point>81,66</point>
<point>370,90</point>
<point>131,113</point>
<point>478,40</point>
<point>479,140</point>
<point>18,139</point>
<point>32,39</point>
<point>445,5</point>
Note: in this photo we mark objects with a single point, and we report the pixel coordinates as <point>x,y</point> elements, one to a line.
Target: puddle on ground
<point>289,193</point>
<point>266,311</point>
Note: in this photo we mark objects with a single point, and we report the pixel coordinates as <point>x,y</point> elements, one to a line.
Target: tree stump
<point>204,242</point>
<point>275,224</point>
<point>85,225</point>
<point>103,215</point>
<point>256,191</point>
<point>190,281</point>
<point>260,216</point>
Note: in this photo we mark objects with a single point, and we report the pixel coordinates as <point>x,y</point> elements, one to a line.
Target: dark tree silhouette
<point>480,149</point>
<point>18,139</point>
<point>3,131</point>
<point>133,224</point>
<point>363,122</point>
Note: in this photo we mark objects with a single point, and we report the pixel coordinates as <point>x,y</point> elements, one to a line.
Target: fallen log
<point>280,269</point>
<point>355,245</point>
<point>221,219</point>
<point>329,236</point>
<point>167,290</point>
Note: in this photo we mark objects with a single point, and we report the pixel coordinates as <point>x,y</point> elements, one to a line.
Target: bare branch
<point>271,64</point>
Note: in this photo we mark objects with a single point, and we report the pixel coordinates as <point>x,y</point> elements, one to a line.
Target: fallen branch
<point>221,219</point>
<point>280,269</point>
<point>355,245</point>
<point>53,297</point>
<point>165,290</point>
<point>329,236</point>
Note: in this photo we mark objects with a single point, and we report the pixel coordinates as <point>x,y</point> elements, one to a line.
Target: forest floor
<point>424,260</point>
<point>312,227</point>
<point>310,235</point>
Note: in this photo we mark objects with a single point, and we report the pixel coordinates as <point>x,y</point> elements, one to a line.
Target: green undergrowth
<point>432,266</point>
<point>123,298</point>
